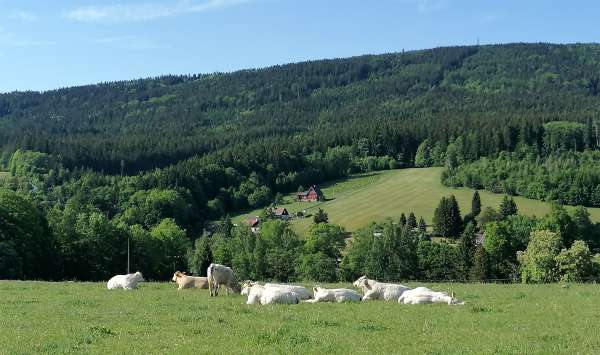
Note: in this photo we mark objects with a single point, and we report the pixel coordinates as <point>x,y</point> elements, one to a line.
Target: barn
<point>281,213</point>
<point>312,194</point>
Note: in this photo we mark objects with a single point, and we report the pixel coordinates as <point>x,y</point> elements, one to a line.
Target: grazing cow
<point>186,281</point>
<point>423,295</point>
<point>301,292</point>
<point>334,295</point>
<point>221,275</point>
<point>127,282</point>
<point>258,294</point>
<point>374,290</point>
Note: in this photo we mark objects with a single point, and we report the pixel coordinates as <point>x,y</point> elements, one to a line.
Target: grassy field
<point>373,197</point>
<point>38,317</point>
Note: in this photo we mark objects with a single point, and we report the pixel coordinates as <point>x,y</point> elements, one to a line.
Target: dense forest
<point>155,160</point>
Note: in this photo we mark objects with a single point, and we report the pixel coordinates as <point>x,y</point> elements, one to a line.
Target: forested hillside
<point>154,160</point>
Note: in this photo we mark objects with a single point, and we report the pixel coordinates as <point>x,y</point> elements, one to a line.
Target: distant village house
<point>311,195</point>
<point>281,213</point>
<point>252,222</point>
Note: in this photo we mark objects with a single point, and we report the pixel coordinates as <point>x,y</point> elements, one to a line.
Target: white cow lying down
<point>423,295</point>
<point>374,290</point>
<point>127,282</point>
<point>334,295</point>
<point>186,281</point>
<point>258,294</point>
<point>301,292</point>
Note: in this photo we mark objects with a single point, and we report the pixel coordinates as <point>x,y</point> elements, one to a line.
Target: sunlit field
<point>355,202</point>
<point>68,317</point>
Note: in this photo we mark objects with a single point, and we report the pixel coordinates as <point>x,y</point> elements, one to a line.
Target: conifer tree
<point>402,221</point>
<point>411,223</point>
<point>476,204</point>
<point>422,226</point>
<point>508,207</point>
<point>481,264</point>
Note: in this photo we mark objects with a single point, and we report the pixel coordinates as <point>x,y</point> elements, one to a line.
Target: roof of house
<point>314,188</point>
<point>280,211</point>
<point>251,222</point>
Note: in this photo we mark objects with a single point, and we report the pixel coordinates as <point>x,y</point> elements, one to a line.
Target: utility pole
<point>128,254</point>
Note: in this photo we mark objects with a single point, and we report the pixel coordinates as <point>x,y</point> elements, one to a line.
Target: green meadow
<point>360,199</point>
<point>86,318</point>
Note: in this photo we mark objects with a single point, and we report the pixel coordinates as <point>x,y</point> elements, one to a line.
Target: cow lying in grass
<point>127,282</point>
<point>258,294</point>
<point>423,295</point>
<point>321,294</point>
<point>221,275</point>
<point>186,281</point>
<point>300,292</point>
<point>374,290</point>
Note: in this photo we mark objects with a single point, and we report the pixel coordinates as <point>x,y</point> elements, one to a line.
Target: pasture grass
<point>67,317</point>
<point>362,199</point>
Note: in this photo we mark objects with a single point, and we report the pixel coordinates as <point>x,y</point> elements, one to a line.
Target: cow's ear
<point>315,289</point>
<point>367,286</point>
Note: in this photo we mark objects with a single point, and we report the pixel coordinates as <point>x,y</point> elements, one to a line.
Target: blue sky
<point>50,44</point>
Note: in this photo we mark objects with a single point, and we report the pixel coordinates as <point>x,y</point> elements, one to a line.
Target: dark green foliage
<point>481,264</point>
<point>320,217</point>
<point>465,251</point>
<point>200,256</point>
<point>476,204</point>
<point>422,226</point>
<point>437,261</point>
<point>402,221</point>
<point>27,245</point>
<point>321,252</point>
<point>568,176</point>
<point>508,207</point>
<point>447,221</point>
<point>411,223</point>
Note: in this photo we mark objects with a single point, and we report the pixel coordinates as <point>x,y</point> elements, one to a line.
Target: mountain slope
<point>396,100</point>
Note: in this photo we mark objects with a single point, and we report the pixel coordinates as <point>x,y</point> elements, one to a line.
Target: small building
<point>281,213</point>
<point>311,195</point>
<point>252,222</point>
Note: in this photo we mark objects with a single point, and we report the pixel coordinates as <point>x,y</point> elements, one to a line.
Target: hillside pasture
<point>355,202</point>
<point>72,317</point>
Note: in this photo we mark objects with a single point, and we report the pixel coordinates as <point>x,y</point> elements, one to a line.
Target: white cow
<point>127,282</point>
<point>258,294</point>
<point>423,295</point>
<point>301,292</point>
<point>374,290</point>
<point>186,281</point>
<point>221,275</point>
<point>334,295</point>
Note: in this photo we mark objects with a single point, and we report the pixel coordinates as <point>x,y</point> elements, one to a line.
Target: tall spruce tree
<point>402,220</point>
<point>422,226</point>
<point>447,221</point>
<point>476,204</point>
<point>411,223</point>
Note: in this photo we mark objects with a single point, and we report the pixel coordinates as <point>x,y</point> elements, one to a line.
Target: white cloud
<point>145,11</point>
<point>24,16</point>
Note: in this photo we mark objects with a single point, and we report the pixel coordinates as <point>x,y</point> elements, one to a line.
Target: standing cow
<point>221,275</point>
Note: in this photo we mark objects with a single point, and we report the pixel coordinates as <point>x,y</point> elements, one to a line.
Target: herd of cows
<point>270,293</point>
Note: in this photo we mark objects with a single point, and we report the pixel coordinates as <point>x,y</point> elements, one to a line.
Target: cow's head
<point>177,275</point>
<point>362,283</point>
<point>139,277</point>
<point>246,286</point>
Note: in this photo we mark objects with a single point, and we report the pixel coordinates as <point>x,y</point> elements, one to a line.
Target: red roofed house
<point>252,222</point>
<point>281,213</point>
<point>312,194</point>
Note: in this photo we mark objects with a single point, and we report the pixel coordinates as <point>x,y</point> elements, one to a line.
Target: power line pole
<point>128,254</point>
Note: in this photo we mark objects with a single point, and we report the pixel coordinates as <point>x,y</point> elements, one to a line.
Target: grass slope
<point>374,197</point>
<point>40,317</point>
